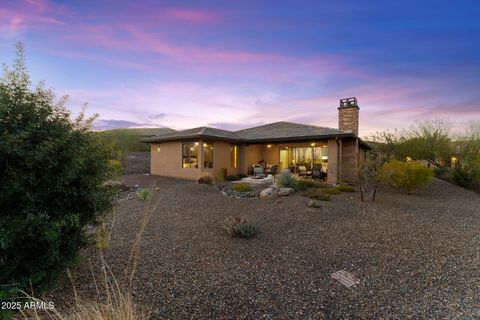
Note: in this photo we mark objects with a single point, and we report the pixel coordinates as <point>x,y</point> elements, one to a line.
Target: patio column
<point>242,166</point>
<point>334,149</point>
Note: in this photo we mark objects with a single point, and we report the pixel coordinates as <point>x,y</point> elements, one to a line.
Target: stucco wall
<point>221,159</point>
<point>168,162</point>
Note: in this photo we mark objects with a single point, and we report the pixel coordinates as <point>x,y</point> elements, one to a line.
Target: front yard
<point>415,255</point>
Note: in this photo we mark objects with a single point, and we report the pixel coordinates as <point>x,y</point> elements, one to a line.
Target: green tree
<point>52,174</point>
<point>430,141</point>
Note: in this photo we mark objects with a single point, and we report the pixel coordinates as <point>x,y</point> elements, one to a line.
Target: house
<point>197,152</point>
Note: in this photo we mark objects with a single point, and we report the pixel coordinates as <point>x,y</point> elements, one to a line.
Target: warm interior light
<point>269,146</point>
<point>313,144</point>
<point>324,157</point>
<point>196,143</point>
<point>324,146</point>
<point>204,145</point>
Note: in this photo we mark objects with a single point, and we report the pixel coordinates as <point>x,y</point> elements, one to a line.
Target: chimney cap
<point>348,103</point>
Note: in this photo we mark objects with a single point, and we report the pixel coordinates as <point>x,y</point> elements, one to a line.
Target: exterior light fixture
<point>196,143</point>
<point>324,157</point>
<point>313,144</point>
<point>324,146</point>
<point>269,146</point>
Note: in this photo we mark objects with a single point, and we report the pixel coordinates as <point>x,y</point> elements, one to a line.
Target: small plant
<point>406,175</point>
<point>287,180</point>
<point>306,184</point>
<point>317,194</point>
<point>232,178</point>
<point>242,187</point>
<point>220,177</point>
<point>246,231</point>
<point>334,190</point>
<point>144,194</point>
<point>346,188</point>
<point>205,180</point>
<point>102,236</point>
<point>314,204</point>
<point>467,174</point>
<point>239,227</point>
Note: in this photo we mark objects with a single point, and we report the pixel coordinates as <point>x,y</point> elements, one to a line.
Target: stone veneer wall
<point>350,160</point>
<point>348,119</point>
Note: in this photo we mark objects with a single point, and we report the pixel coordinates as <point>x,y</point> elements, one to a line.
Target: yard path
<point>416,255</point>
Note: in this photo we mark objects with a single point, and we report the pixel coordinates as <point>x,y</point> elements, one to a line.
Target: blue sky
<point>238,64</point>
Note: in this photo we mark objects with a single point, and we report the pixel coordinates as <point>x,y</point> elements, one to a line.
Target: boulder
<point>269,193</point>
<point>283,192</point>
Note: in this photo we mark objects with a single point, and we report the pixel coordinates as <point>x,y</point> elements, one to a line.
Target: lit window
<point>233,156</point>
<point>158,148</point>
<point>208,155</point>
<point>190,155</point>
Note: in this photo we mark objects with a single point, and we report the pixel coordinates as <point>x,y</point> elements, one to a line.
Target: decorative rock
<point>314,204</point>
<point>269,193</point>
<point>283,192</point>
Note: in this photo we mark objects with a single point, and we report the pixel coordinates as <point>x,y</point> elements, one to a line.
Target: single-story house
<point>202,151</point>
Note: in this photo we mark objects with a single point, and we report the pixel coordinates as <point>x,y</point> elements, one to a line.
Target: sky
<point>237,64</point>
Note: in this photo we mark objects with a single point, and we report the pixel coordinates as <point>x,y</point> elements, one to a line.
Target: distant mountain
<point>128,140</point>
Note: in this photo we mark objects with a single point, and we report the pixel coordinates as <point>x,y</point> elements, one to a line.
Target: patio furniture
<point>318,173</point>
<point>272,170</point>
<point>258,172</point>
<point>303,172</point>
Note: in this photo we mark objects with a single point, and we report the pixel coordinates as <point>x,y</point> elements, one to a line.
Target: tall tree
<point>52,173</point>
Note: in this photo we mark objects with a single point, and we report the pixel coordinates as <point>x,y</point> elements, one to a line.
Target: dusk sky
<point>236,64</point>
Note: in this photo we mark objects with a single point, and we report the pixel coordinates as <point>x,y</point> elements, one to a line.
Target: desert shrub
<point>317,194</point>
<point>52,171</point>
<point>467,174</point>
<point>220,176</point>
<point>346,188</point>
<point>205,180</point>
<point>241,187</point>
<point>239,227</point>
<point>232,178</point>
<point>332,190</point>
<point>444,173</point>
<point>286,180</point>
<point>406,175</point>
<point>144,194</point>
<point>306,184</point>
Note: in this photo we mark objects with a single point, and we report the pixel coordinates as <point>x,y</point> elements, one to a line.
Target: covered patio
<point>299,157</point>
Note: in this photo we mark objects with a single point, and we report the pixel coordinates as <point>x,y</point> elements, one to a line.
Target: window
<point>208,155</point>
<point>158,148</point>
<point>190,155</point>
<point>233,156</point>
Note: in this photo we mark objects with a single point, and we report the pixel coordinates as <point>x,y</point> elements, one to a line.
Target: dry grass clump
<point>242,187</point>
<point>114,301</point>
<point>317,194</point>
<point>239,227</point>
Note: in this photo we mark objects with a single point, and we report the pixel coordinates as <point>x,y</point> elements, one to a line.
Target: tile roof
<point>277,131</point>
<point>287,130</point>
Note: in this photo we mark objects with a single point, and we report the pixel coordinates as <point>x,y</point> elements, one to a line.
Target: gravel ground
<point>417,256</point>
<point>136,163</point>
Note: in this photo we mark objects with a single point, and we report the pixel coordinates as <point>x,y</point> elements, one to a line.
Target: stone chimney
<point>348,115</point>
